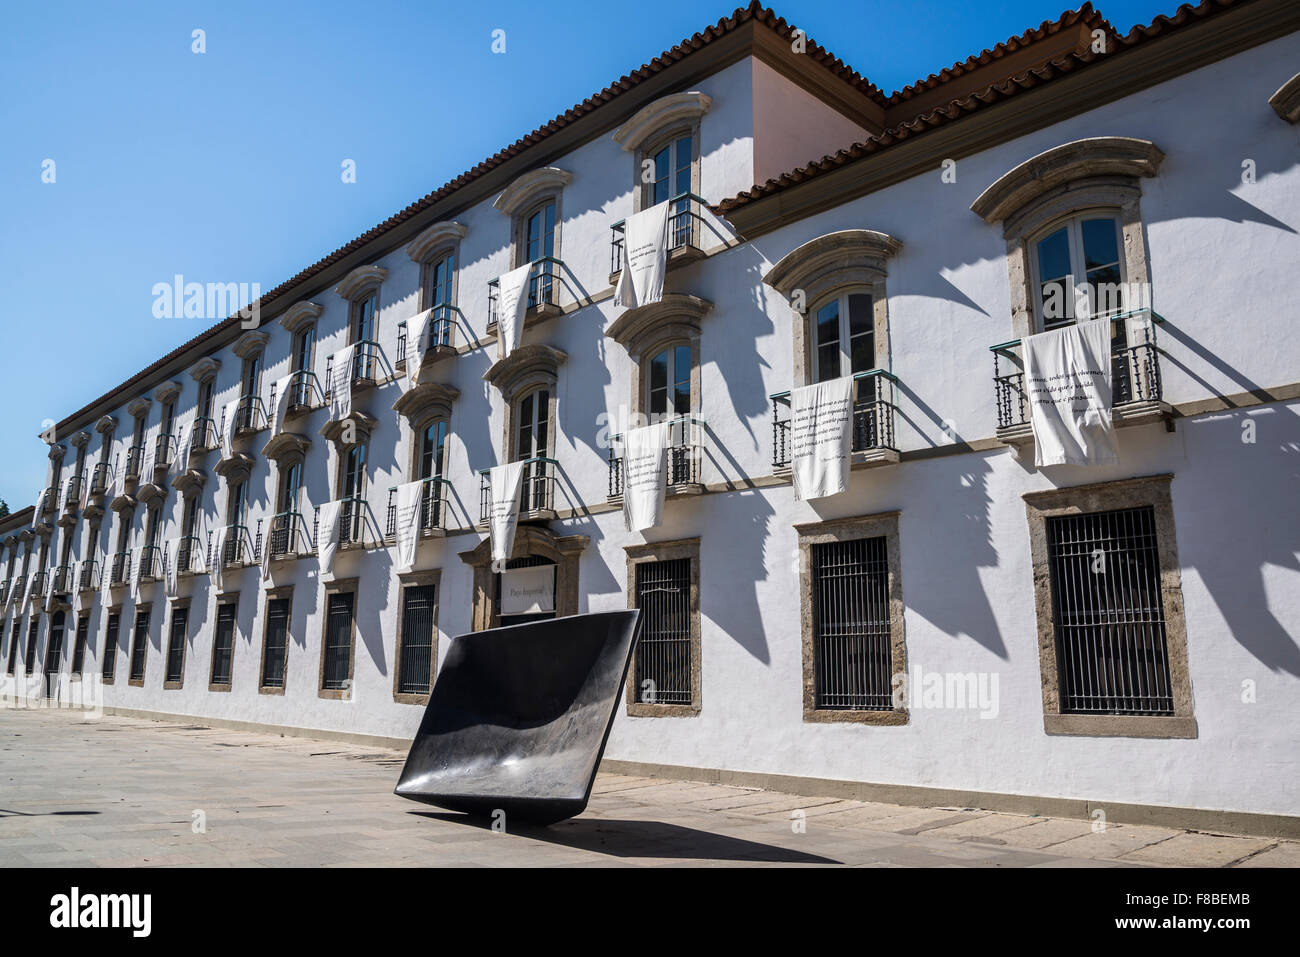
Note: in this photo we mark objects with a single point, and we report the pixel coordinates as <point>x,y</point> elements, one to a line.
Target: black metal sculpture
<point>518,717</point>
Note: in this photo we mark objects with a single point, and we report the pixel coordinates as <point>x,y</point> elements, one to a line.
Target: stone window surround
<point>565,551</point>
<point>280,591</point>
<point>334,587</point>
<point>284,451</point>
<point>355,287</point>
<point>422,405</point>
<point>849,260</point>
<point>527,369</point>
<point>656,124</point>
<point>525,196</point>
<point>176,604</point>
<point>1150,490</point>
<point>841,530</point>
<point>431,245</point>
<point>223,598</point>
<point>688,548</point>
<point>1101,173</point>
<point>130,645</point>
<point>297,319</point>
<point>415,578</point>
<point>645,330</point>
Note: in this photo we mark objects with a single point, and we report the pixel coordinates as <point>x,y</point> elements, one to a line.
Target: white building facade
<point>957,626</point>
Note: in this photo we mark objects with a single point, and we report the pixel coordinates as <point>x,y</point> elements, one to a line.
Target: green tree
<point>4,508</point>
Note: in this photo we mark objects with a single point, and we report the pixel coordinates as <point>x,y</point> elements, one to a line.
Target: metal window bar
<point>276,646</point>
<point>338,641</point>
<point>89,578</point>
<point>415,673</point>
<point>176,644</point>
<point>151,564</point>
<point>37,587</point>
<point>53,656</point>
<point>4,591</point>
<point>164,446</point>
<point>99,478</point>
<point>236,548</point>
<point>543,286</point>
<point>250,413</point>
<point>663,654</point>
<point>139,645</point>
<point>50,499</point>
<point>1108,613</point>
<point>29,656</point>
<point>134,461</point>
<point>1135,370</point>
<point>305,390</point>
<point>433,506</point>
<point>186,549</point>
<point>684,228</point>
<point>289,535</point>
<point>536,487</point>
<point>109,664</point>
<point>440,331</point>
<point>62,583</point>
<point>366,361</point>
<point>223,645</point>
<point>851,638</point>
<point>204,436</point>
<point>72,498</point>
<point>682,461</point>
<point>875,399</point>
<point>121,568</point>
<point>353,520</point>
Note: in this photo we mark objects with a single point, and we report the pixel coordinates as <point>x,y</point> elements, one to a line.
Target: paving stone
<point>1115,841</point>
<point>1199,850</point>
<point>1284,854</point>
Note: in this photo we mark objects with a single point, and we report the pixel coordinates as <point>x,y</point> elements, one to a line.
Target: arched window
<point>429,465</point>
<point>1081,250</point>
<point>668,381</point>
<point>538,242</point>
<point>844,335</point>
<point>532,441</point>
<point>365,333</point>
<point>304,348</point>
<point>353,492</point>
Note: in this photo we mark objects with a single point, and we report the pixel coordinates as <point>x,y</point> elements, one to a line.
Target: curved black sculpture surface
<point>518,717</point>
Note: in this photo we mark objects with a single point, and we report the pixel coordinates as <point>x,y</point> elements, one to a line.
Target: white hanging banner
<point>170,555</point>
<point>228,428</point>
<point>512,304</point>
<point>281,407</point>
<point>645,257</point>
<point>180,459</point>
<point>340,384</point>
<point>1068,385</point>
<point>266,546</point>
<point>219,558</point>
<point>327,534</point>
<point>417,342</point>
<point>528,591</point>
<point>408,523</point>
<point>645,475</point>
<point>821,437</point>
<point>503,486</point>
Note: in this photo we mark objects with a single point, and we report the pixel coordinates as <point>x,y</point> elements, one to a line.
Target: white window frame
<point>1078,267</point>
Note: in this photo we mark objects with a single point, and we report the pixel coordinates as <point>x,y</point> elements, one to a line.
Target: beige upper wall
<point>792,126</point>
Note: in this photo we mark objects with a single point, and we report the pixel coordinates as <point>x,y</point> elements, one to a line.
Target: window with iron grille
<point>79,646</point>
<point>415,674</point>
<point>110,645</point>
<point>337,671</point>
<point>851,636</point>
<point>139,644</point>
<point>223,645</point>
<point>1108,613</point>
<point>15,635</point>
<point>275,647</point>
<point>29,658</point>
<point>663,655</point>
<point>176,645</point>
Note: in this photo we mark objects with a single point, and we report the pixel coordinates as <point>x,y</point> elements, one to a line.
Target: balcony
<point>684,229</point>
<point>305,393</point>
<point>875,399</point>
<point>88,580</point>
<point>72,497</point>
<point>250,414</point>
<point>120,570</point>
<point>36,588</point>
<point>543,291</point>
<point>164,453</point>
<point>49,499</point>
<point>4,592</point>
<point>151,564</point>
<point>204,435</point>
<point>134,462</point>
<point>61,582</point>
<point>536,491</point>
<point>356,526</point>
<point>289,536</point>
<point>237,547</point>
<point>1135,380</point>
<point>187,549</point>
<point>441,334</point>
<point>100,477</point>
<point>433,508</point>
<point>682,458</point>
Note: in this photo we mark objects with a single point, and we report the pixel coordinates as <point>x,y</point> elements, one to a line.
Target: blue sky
<point>225,166</point>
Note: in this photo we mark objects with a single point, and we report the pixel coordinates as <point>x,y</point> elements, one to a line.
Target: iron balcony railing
<point>4,592</point>
<point>121,568</point>
<point>433,506</point>
<point>289,535</point>
<point>61,583</point>
<point>250,413</point>
<point>536,488</point>
<point>304,391</point>
<point>89,577</point>
<point>72,497</point>
<point>874,402</point>
<point>186,550</point>
<point>18,587</point>
<point>50,499</point>
<point>682,460</point>
<point>164,451</point>
<point>1135,369</point>
<point>684,222</point>
<point>543,286</point>
<point>237,547</point>
<point>204,435</point>
<point>367,365</point>
<point>134,461</point>
<point>99,478</point>
<point>441,331</point>
<point>353,519</point>
<point>38,585</point>
<point>151,564</point>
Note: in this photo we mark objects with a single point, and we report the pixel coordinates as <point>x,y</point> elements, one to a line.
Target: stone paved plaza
<point>124,792</point>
